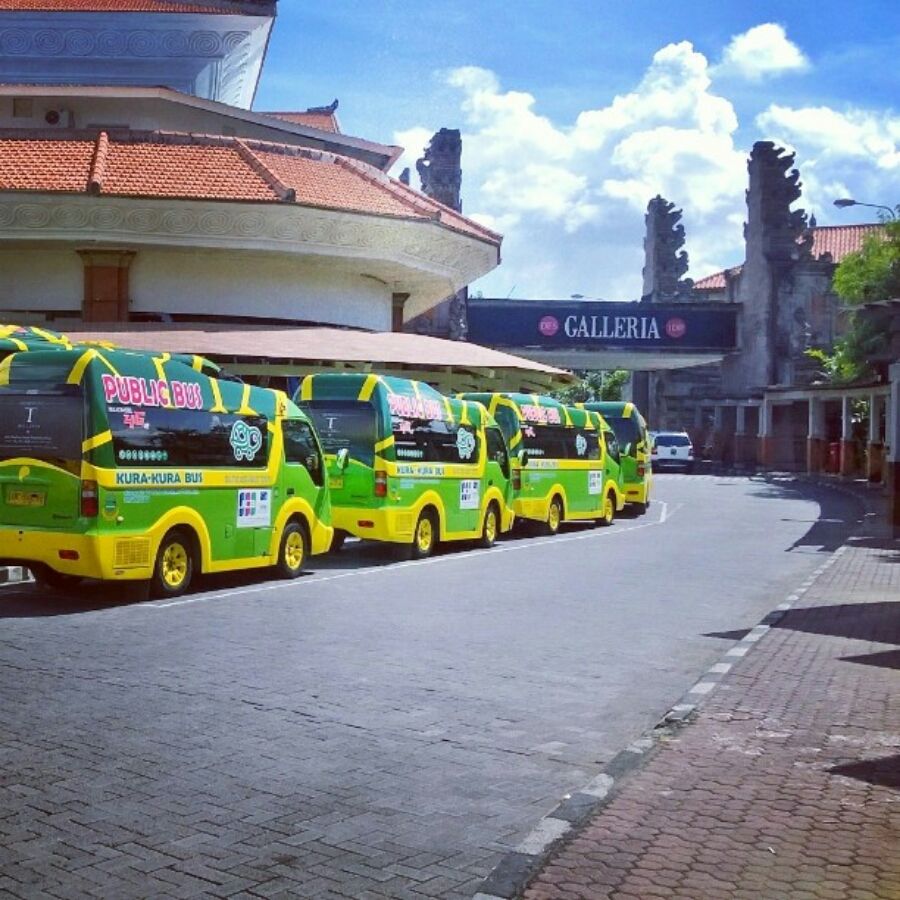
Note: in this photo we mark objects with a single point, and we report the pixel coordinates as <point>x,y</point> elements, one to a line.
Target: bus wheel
<point>554,516</point>
<point>425,536</point>
<point>337,540</point>
<point>58,581</point>
<point>174,567</point>
<point>293,551</point>
<point>491,527</point>
<point>609,510</point>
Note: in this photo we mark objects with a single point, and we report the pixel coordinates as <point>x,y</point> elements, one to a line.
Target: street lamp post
<point>846,201</point>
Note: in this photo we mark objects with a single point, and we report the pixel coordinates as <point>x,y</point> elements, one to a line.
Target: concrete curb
<point>517,868</point>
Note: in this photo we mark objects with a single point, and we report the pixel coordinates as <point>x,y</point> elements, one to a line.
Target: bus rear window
<point>45,425</point>
<point>187,437</point>
<point>557,442</point>
<point>343,424</point>
<point>628,431</point>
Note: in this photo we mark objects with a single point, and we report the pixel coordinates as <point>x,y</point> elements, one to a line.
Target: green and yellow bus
<point>128,466</point>
<point>564,473</point>
<point>408,465</point>
<point>634,445</point>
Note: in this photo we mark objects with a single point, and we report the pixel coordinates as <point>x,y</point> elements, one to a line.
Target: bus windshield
<point>346,424</point>
<point>42,424</point>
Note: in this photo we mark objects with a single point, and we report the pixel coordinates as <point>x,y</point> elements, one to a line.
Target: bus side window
<point>300,446</point>
<point>612,445</point>
<point>496,449</point>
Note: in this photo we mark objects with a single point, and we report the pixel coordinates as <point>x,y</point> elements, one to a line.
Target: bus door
<point>498,472</point>
<point>303,462</point>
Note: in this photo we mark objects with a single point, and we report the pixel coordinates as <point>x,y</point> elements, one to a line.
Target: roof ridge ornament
<point>98,164</point>
<point>282,191</point>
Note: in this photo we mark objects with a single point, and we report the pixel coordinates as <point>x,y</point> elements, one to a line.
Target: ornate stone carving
<point>665,261</point>
<point>439,169</point>
<point>441,176</point>
<point>779,184</point>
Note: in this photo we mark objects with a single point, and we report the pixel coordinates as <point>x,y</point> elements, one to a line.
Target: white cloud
<point>761,52</point>
<point>570,198</point>
<point>856,133</point>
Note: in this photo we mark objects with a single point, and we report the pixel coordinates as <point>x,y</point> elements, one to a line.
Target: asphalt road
<point>374,729</point>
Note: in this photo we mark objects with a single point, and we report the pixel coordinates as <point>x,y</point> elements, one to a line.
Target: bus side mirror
<point>342,459</point>
<point>523,458</point>
<point>628,449</point>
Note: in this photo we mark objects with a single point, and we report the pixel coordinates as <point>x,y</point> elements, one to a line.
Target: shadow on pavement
<point>884,772</point>
<point>838,515</point>
<point>30,601</point>
<point>889,659</point>
<point>891,548</point>
<point>872,622</point>
<point>737,635</point>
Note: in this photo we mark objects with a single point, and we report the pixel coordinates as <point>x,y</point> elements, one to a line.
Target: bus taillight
<point>641,471</point>
<point>517,479</point>
<point>90,500</point>
<point>381,484</point>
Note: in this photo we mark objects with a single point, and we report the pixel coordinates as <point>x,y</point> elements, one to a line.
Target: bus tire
<point>425,536</point>
<point>292,550</point>
<point>554,516</point>
<point>491,527</point>
<point>174,567</point>
<point>609,509</point>
<point>337,540</point>
<point>57,581</point>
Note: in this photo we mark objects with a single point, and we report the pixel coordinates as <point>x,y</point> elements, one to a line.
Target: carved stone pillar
<point>106,285</point>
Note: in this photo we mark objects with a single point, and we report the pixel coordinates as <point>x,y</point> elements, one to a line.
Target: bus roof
<point>23,338</point>
<point>528,408</point>
<point>619,408</point>
<point>381,388</point>
<point>133,378</point>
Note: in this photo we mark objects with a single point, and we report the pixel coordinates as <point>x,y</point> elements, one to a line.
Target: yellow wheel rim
<point>175,565</point>
<point>293,550</point>
<point>554,516</point>
<point>608,511</point>
<point>424,535</point>
<point>490,526</point>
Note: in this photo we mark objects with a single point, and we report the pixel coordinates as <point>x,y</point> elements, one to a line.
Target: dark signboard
<point>594,324</point>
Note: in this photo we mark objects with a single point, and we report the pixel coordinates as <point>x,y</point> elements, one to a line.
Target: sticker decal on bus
<point>245,441</point>
<point>254,509</point>
<point>469,493</point>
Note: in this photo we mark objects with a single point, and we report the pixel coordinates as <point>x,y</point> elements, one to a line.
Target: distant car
<point>672,450</point>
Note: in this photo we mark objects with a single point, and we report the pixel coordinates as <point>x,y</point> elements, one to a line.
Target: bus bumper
<point>387,524</point>
<point>109,557</point>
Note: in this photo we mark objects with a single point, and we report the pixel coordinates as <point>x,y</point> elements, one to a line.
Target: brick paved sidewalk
<point>787,785</point>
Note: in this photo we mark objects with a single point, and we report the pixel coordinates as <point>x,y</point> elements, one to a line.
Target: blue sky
<point>574,114</point>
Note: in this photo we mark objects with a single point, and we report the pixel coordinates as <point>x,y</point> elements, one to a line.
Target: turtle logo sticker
<point>581,445</point>
<point>465,443</point>
<point>246,441</point>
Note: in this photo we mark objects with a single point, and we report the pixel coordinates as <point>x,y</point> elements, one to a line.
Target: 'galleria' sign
<point>592,324</point>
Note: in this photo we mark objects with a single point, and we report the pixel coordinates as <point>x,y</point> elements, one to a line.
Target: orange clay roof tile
<point>836,240</point>
<point>204,167</point>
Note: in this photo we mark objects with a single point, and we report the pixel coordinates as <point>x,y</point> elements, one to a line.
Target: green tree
<point>870,274</point>
<point>594,385</point>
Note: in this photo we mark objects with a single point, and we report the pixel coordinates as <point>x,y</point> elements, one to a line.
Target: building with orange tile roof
<point>138,185</point>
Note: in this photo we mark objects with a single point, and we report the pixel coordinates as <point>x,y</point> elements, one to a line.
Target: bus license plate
<point>335,483</point>
<point>25,498</point>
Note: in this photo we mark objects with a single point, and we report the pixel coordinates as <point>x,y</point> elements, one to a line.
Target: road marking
<point>434,560</point>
